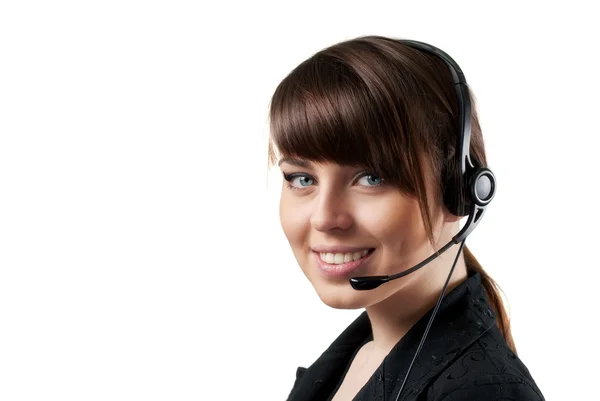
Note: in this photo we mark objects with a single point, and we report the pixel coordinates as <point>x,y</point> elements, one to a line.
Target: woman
<point>368,135</point>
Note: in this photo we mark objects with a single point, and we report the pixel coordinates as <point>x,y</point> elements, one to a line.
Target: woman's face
<point>344,212</point>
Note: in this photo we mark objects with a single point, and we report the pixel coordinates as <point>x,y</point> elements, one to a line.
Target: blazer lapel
<point>309,381</point>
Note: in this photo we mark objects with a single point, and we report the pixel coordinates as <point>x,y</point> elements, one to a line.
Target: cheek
<point>397,224</point>
<point>292,219</point>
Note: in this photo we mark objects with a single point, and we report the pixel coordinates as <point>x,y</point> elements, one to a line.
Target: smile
<point>339,258</point>
<point>337,265</point>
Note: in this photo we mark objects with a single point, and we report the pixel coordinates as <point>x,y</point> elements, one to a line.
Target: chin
<point>342,297</point>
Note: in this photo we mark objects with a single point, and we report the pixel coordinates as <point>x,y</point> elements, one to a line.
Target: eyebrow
<point>294,162</point>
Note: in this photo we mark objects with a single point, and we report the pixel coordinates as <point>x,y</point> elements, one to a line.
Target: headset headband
<point>472,191</point>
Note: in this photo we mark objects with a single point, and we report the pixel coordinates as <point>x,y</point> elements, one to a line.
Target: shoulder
<point>486,370</point>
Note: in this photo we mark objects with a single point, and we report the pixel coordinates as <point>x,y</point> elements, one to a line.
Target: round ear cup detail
<point>483,186</point>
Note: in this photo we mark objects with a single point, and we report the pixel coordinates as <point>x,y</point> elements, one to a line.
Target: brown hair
<point>373,101</point>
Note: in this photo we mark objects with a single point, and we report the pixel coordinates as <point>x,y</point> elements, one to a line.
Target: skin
<point>342,205</point>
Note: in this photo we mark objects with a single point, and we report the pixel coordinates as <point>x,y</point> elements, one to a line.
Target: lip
<point>341,270</point>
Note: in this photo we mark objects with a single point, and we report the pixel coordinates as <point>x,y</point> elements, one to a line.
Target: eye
<point>370,180</point>
<point>298,180</point>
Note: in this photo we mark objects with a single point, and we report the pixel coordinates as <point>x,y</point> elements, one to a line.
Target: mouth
<point>341,264</point>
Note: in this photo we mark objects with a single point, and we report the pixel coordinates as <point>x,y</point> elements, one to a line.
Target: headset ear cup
<point>482,186</point>
<point>454,191</point>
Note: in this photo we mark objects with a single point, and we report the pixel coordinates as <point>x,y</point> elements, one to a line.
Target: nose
<point>330,212</point>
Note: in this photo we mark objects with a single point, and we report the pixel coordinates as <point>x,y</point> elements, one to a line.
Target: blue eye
<point>303,181</point>
<point>371,180</point>
<point>298,180</point>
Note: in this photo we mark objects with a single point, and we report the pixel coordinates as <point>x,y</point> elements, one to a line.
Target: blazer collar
<point>464,315</point>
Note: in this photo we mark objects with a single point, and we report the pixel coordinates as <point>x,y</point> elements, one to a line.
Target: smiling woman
<point>330,212</point>
<point>367,134</point>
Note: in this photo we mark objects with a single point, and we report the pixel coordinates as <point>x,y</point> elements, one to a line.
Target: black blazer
<point>463,358</point>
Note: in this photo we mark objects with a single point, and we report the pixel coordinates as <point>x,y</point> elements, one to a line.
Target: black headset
<point>467,193</point>
<point>476,185</point>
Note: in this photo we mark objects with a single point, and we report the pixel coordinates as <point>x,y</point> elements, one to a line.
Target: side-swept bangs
<point>351,108</point>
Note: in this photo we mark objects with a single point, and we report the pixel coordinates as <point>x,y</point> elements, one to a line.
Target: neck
<point>393,317</point>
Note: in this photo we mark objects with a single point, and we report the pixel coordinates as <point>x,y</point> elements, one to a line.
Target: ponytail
<point>492,291</point>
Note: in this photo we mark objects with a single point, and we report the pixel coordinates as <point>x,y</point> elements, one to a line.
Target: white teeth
<point>339,258</point>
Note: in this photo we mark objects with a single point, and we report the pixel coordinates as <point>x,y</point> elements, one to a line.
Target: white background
<point>141,256</point>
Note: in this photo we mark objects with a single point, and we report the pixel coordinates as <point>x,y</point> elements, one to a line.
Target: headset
<point>467,193</point>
